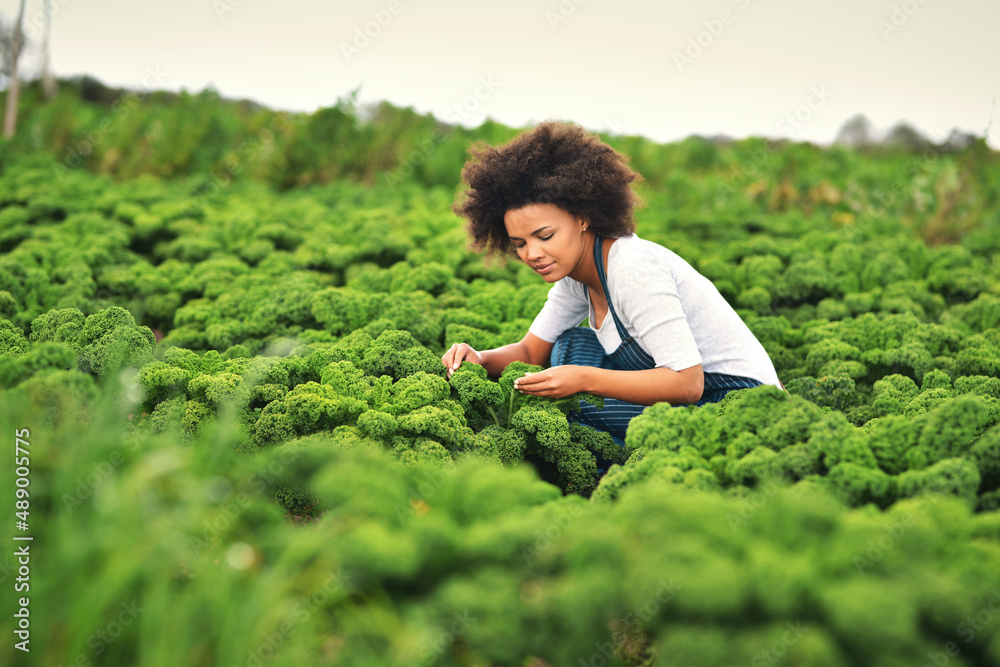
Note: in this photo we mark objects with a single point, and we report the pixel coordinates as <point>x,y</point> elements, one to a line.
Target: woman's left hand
<point>554,382</point>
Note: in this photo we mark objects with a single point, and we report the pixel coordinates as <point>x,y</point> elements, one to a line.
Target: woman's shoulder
<point>632,253</point>
<point>633,244</point>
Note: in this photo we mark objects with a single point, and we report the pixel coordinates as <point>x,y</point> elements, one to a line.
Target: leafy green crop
<point>241,428</point>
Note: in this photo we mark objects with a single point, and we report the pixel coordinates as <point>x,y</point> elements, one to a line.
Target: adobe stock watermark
<point>792,121</point>
<point>967,630</point>
<point>424,149</point>
<point>247,152</point>
<point>704,39</point>
<point>778,649</point>
<point>900,16</point>
<point>36,22</point>
<point>885,197</point>
<point>602,656</point>
<point>364,34</point>
<point>303,609</point>
<point>751,504</point>
<point>616,125</point>
<point>460,111</point>
<point>88,484</point>
<point>878,547</point>
<point>973,625</point>
<point>456,114</point>
<point>434,649</point>
<point>637,620</point>
<point>219,490</point>
<point>121,108</point>
<point>102,639</point>
<point>424,491</point>
<point>562,12</point>
<point>786,126</point>
<point>544,539</point>
<point>100,473</point>
<point>641,615</point>
<point>223,7</point>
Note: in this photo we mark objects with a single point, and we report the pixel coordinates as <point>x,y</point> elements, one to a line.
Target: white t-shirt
<point>673,312</point>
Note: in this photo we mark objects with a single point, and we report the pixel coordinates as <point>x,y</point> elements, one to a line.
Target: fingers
<point>530,382</point>
<point>524,380</point>
<point>456,354</point>
<point>453,361</point>
<point>543,383</point>
<point>449,358</point>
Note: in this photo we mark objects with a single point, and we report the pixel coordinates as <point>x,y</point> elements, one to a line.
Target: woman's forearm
<point>647,387</point>
<point>495,360</point>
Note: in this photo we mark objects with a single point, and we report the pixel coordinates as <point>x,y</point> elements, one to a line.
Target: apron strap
<point>599,262</point>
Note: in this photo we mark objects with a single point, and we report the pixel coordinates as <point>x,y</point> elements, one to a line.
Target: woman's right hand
<point>458,353</point>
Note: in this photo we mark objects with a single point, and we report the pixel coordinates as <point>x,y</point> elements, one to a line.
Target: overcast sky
<point>667,69</point>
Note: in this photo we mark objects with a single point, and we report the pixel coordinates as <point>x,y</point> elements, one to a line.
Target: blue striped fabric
<point>579,346</point>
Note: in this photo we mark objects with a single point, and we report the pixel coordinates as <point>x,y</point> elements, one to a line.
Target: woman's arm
<point>531,349</point>
<point>646,387</point>
<point>495,360</point>
<point>643,387</point>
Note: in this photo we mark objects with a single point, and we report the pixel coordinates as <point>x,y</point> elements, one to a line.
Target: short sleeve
<point>651,306</point>
<point>565,307</point>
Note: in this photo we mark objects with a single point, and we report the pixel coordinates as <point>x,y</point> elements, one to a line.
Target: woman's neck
<point>586,270</point>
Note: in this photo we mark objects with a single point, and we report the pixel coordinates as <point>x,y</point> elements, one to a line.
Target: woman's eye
<point>543,238</point>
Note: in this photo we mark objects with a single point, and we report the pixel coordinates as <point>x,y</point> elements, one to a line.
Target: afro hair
<point>554,163</point>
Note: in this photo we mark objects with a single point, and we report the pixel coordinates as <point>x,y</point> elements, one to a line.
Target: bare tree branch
<point>14,85</point>
<point>49,85</point>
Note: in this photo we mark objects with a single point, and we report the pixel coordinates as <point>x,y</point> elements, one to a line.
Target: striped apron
<point>579,347</point>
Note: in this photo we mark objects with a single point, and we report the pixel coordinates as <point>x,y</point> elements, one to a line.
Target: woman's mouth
<point>544,268</point>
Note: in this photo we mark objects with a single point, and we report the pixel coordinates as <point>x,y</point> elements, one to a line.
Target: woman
<point>560,199</point>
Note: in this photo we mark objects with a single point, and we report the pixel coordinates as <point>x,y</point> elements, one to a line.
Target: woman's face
<point>547,238</point>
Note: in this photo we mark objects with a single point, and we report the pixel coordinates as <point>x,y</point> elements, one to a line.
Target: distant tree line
<point>859,133</point>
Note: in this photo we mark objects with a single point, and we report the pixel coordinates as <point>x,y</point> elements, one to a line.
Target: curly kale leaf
<point>477,394</point>
<point>398,354</point>
<point>504,445</point>
<point>498,402</point>
<point>106,341</point>
<point>957,477</point>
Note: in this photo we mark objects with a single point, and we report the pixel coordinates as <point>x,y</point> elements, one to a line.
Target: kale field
<point>232,441</point>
